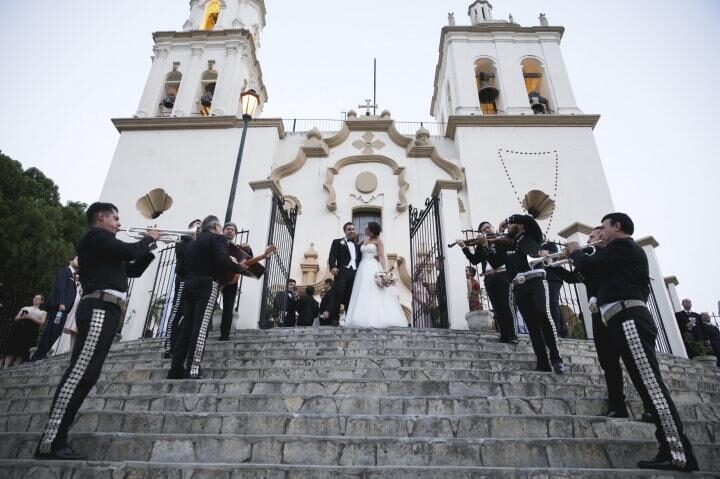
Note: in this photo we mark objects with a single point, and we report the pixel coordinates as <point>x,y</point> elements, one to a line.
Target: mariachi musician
<point>492,256</point>
<point>176,313</point>
<point>529,290</point>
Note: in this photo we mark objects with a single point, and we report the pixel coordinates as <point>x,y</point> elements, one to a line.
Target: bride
<point>372,306</point>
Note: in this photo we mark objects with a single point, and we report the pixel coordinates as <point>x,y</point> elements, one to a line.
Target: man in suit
<point>59,304</point>
<point>307,307</point>
<point>343,262</point>
<point>285,305</point>
<point>325,303</point>
<point>687,315</point>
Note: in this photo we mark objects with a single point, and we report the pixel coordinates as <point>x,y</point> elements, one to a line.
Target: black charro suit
<point>340,258</point>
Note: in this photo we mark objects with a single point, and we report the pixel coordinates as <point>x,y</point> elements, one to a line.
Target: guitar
<point>253,267</point>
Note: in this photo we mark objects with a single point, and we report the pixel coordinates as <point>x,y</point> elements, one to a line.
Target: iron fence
<point>661,341</point>
<point>427,263</point>
<point>277,267</point>
<point>301,125</point>
<point>163,292</point>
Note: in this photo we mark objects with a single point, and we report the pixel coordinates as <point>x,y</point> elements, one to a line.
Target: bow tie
<point>349,240</point>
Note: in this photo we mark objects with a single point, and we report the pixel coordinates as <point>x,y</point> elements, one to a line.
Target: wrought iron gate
<point>427,262</point>
<point>277,266</point>
<point>163,292</point>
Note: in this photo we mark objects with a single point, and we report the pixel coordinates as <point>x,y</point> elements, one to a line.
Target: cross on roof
<point>367,107</point>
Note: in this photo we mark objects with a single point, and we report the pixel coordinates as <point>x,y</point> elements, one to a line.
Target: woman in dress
<point>66,341</point>
<point>24,332</point>
<point>372,306</point>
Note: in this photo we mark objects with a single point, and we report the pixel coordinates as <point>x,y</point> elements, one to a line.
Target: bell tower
<point>202,70</point>
<point>497,67</point>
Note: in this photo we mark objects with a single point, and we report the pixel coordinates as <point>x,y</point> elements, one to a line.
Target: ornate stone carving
<point>366,182</point>
<point>368,144</point>
<point>310,266</point>
<point>422,137</point>
<point>314,146</point>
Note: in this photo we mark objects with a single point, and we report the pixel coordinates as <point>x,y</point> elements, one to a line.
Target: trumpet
<point>561,258</point>
<point>166,236</point>
<point>475,241</point>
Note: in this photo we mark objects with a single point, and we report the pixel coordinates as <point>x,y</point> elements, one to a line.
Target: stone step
<point>353,405</point>
<point>153,470</point>
<point>436,426</point>
<point>363,451</point>
<point>354,387</point>
<point>14,386</point>
<point>235,359</point>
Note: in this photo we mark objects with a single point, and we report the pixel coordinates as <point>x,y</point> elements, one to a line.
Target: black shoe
<point>545,369</point>
<point>513,341</point>
<point>176,374</point>
<point>617,414</point>
<point>167,355</point>
<point>647,417</point>
<point>63,454</point>
<point>559,368</point>
<point>666,463</point>
<point>224,338</point>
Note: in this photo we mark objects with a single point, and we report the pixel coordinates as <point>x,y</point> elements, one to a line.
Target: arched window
<point>488,92</point>
<point>207,89</point>
<point>537,86</point>
<point>212,12</point>
<point>172,85</point>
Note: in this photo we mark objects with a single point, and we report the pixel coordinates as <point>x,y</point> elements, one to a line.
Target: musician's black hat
<point>482,223</point>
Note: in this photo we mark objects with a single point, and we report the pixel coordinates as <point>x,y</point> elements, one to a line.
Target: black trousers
<point>633,333</point>
<point>532,300</point>
<point>200,296</point>
<point>97,323</point>
<point>229,293</point>
<point>51,332</point>
<point>609,358</point>
<point>554,288</point>
<point>176,315</point>
<point>497,286</point>
<point>341,293</point>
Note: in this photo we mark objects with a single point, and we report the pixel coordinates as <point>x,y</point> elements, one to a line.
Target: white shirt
<point>353,252</point>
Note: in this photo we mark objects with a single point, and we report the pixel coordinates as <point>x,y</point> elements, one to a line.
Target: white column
<point>252,290</point>
<point>187,94</point>
<point>223,90</point>
<point>154,87</point>
<point>450,224</point>
<point>657,283</point>
<point>671,283</point>
<point>512,84</point>
<point>139,301</point>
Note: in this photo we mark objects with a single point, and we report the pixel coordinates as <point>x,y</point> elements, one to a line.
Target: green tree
<point>37,233</point>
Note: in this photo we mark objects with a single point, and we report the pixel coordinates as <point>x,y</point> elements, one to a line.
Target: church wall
<point>195,168</point>
<point>583,193</point>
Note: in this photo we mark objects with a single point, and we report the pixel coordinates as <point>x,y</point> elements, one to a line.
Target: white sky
<point>650,67</point>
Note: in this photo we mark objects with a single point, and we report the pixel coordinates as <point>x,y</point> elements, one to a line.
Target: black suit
<point>325,304</point>
<point>285,302</point>
<point>308,309</point>
<point>63,293</point>
<point>683,318</point>
<point>340,258</point>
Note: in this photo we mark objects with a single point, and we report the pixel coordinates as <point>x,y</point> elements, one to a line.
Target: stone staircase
<point>333,403</point>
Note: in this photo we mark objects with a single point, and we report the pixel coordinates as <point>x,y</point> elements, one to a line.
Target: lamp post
<point>250,101</point>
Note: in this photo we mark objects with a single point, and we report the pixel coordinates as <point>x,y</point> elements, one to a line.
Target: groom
<point>343,262</point>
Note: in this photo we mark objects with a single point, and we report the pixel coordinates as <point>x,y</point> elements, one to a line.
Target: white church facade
<point>509,135</point>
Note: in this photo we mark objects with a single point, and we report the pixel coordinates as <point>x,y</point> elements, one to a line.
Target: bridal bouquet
<point>385,280</point>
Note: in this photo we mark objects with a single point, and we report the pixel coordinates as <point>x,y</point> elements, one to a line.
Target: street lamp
<point>249,101</point>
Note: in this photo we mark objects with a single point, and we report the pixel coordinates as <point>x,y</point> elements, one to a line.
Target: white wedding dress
<point>370,305</point>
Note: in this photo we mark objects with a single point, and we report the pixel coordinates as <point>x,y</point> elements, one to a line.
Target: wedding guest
<point>473,287</point>
<point>307,308</point>
<point>24,332</point>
